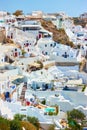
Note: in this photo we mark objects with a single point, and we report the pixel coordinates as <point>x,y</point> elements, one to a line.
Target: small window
<point>42,52</point>
<point>15,49</point>
<point>51,45</point>
<point>27,44</point>
<point>23,29</point>
<point>46,53</point>
<point>45,45</point>
<point>54,43</point>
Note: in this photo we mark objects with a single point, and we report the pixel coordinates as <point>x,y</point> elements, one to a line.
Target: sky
<point>70,7</point>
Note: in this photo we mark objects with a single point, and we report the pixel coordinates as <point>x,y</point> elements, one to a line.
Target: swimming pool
<point>49,109</point>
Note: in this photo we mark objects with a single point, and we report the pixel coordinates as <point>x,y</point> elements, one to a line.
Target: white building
<point>3,13</point>
<point>46,45</point>
<point>16,52</point>
<point>57,52</point>
<point>83,16</point>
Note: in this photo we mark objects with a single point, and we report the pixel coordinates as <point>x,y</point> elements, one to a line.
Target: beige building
<point>37,14</point>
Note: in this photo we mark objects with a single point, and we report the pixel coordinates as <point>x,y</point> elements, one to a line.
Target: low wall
<point>49,64</point>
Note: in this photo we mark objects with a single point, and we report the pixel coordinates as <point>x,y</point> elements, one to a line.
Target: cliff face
<point>2,36</point>
<point>59,35</point>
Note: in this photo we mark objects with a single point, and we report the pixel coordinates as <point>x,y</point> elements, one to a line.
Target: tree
<point>34,121</point>
<point>74,125</point>
<point>19,117</point>
<point>15,125</point>
<point>18,12</point>
<point>43,102</point>
<point>74,118</point>
<point>75,114</point>
<point>4,124</point>
<point>27,125</point>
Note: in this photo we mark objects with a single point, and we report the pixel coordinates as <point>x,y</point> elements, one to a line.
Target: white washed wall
<point>12,72</point>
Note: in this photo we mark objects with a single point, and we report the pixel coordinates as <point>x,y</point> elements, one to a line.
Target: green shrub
<point>23,52</point>
<point>50,113</point>
<point>34,121</point>
<point>52,89</point>
<point>4,124</point>
<point>84,87</point>
<point>43,102</point>
<point>15,125</point>
<point>19,117</point>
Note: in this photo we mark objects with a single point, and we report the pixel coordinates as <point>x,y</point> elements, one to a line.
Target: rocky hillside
<point>79,21</point>
<point>59,35</point>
